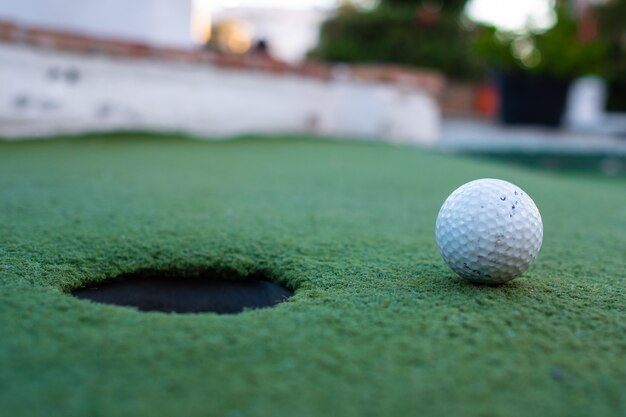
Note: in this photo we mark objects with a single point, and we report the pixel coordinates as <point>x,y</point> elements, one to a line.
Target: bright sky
<point>512,15</point>
<point>515,15</point>
<point>507,14</point>
<point>282,4</point>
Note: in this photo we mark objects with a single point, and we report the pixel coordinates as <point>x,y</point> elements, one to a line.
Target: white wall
<point>47,92</point>
<point>158,22</point>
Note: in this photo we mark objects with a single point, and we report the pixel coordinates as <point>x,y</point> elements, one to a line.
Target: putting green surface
<point>378,326</point>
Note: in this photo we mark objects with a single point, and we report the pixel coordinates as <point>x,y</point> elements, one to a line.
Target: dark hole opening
<point>179,293</point>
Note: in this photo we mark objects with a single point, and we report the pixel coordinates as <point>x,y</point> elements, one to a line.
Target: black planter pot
<point>531,98</point>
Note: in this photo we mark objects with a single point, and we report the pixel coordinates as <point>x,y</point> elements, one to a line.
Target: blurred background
<point>538,82</point>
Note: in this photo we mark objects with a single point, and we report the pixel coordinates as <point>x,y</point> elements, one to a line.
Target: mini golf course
<point>377,324</point>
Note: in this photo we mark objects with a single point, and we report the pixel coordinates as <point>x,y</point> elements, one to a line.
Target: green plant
<point>424,34</point>
<point>557,52</point>
<point>611,18</point>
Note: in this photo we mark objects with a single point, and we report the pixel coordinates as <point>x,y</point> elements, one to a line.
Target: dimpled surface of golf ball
<point>489,231</point>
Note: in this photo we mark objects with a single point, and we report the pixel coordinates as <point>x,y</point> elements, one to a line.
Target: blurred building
<point>155,22</point>
<point>288,32</point>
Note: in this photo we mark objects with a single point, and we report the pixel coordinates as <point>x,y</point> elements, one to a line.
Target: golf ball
<point>489,231</point>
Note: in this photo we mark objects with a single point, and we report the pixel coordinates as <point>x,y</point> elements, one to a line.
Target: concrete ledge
<point>430,81</point>
<point>51,92</point>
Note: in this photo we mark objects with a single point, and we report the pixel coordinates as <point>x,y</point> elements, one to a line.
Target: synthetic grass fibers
<point>378,325</point>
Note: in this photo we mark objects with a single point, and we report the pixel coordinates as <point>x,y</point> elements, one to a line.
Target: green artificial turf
<point>378,326</point>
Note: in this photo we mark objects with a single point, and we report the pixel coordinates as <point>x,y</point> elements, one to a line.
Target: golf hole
<point>210,291</point>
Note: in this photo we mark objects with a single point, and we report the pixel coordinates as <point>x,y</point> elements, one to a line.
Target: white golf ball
<point>489,231</point>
